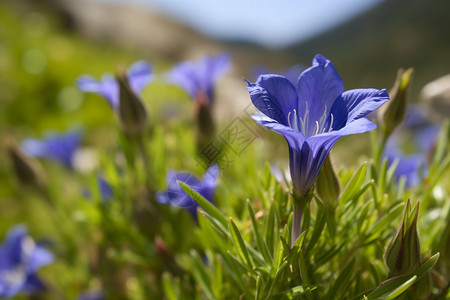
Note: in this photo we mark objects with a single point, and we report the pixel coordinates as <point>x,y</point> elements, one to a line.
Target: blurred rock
<point>435,96</point>
<point>135,26</point>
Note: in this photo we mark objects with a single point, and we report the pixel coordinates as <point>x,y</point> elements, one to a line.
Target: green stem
<point>380,148</point>
<point>145,160</point>
<point>297,221</point>
<point>299,206</point>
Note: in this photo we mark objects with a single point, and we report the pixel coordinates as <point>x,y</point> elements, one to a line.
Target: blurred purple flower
<point>313,116</point>
<point>411,167</point>
<point>199,78</point>
<point>422,136</point>
<point>177,197</point>
<point>20,259</point>
<point>291,73</point>
<point>58,147</point>
<point>139,76</point>
<point>105,189</point>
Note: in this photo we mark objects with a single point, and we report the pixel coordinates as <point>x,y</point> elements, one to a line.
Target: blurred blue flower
<point>58,147</point>
<point>139,76</point>
<point>177,197</point>
<point>199,78</point>
<point>421,135</point>
<point>20,259</point>
<point>105,189</point>
<point>92,295</point>
<point>312,116</point>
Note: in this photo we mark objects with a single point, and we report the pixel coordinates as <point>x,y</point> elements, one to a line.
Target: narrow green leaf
<point>222,230</point>
<point>442,144</point>
<point>259,239</point>
<point>258,288</point>
<point>354,185</point>
<point>342,282</point>
<point>303,268</point>
<point>385,221</point>
<point>275,280</point>
<point>201,275</point>
<point>269,231</point>
<point>395,293</point>
<point>169,289</point>
<point>396,285</point>
<point>205,204</point>
<point>317,232</point>
<point>299,290</point>
<point>381,182</point>
<point>280,253</point>
<point>239,244</point>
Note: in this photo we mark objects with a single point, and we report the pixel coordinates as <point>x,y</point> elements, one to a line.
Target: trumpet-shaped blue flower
<point>58,147</point>
<point>312,116</point>
<point>199,78</point>
<point>139,76</point>
<point>20,259</point>
<point>177,197</point>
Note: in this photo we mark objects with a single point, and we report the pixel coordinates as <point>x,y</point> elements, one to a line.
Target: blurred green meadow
<point>131,247</point>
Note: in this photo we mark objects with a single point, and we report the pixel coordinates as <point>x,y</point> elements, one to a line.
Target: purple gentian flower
<point>312,116</point>
<point>177,197</point>
<point>139,76</point>
<point>20,259</point>
<point>58,147</point>
<point>199,78</point>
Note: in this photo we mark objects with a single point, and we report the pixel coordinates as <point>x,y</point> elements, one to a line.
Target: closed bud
<point>27,171</point>
<point>394,112</point>
<point>204,120</point>
<point>403,253</point>
<point>327,184</point>
<point>131,113</point>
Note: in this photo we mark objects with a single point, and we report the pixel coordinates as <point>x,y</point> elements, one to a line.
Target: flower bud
<point>27,171</point>
<point>327,184</point>
<point>394,112</point>
<point>403,253</point>
<point>131,112</point>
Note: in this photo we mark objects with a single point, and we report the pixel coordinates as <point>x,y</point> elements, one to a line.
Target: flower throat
<point>302,124</point>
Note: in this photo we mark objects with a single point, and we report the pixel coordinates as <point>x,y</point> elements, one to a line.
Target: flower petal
<point>39,257</point>
<point>139,75</point>
<point>214,68</point>
<point>294,138</point>
<point>328,139</point>
<point>106,87</point>
<point>274,96</point>
<point>211,175</point>
<point>319,86</point>
<point>183,75</point>
<point>33,147</point>
<point>360,102</point>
